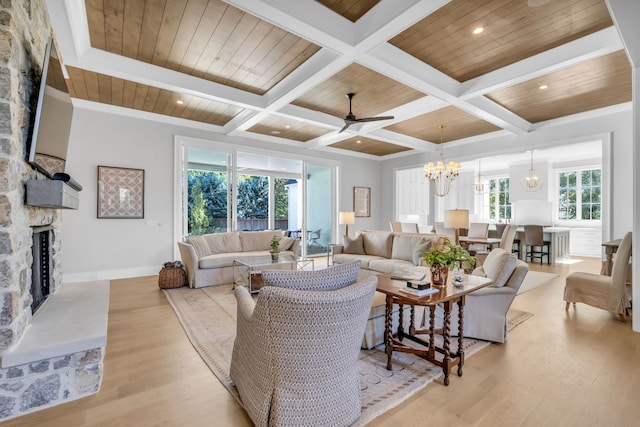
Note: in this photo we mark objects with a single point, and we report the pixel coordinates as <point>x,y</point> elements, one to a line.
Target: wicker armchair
<point>295,355</point>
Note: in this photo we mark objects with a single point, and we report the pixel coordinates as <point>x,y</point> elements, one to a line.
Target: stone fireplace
<point>44,361</point>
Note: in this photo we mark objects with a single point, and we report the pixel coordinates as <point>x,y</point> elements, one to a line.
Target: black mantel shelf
<point>53,194</point>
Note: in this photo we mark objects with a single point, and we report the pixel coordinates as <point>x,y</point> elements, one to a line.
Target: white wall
<point>113,248</point>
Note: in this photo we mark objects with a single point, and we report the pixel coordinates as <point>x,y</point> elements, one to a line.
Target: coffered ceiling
<point>278,71</point>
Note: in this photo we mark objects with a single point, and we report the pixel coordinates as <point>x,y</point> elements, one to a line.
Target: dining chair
<point>606,292</point>
<point>481,230</point>
<point>409,227</point>
<point>395,226</point>
<point>535,243</point>
<point>500,229</point>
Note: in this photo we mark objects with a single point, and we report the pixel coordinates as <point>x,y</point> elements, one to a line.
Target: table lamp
<point>346,219</point>
<point>456,219</point>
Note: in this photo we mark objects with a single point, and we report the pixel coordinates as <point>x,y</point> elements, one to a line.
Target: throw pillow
<point>329,279</point>
<point>354,246</point>
<point>499,266</point>
<point>286,242</point>
<point>199,244</point>
<point>418,252</point>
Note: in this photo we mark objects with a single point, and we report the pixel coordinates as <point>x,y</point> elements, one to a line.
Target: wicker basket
<point>172,275</point>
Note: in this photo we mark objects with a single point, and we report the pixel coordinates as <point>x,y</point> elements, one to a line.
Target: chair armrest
<point>295,247</point>
<point>245,303</point>
<point>505,290</point>
<point>189,259</point>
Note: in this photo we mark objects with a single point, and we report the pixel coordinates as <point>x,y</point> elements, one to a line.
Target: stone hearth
<point>52,372</point>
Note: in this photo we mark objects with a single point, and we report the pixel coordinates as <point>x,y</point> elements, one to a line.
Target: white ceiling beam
<point>625,15</point>
<point>389,18</point>
<point>306,18</point>
<point>125,68</point>
<point>589,47</point>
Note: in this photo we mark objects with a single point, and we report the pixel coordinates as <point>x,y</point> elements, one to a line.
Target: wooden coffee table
<point>447,296</point>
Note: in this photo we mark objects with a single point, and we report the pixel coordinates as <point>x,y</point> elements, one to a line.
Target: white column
<point>625,15</point>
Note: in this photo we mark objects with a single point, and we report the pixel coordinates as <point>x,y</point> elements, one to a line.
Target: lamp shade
<point>347,218</point>
<point>456,218</point>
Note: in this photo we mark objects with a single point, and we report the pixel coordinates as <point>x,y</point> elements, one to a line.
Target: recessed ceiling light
<point>478,30</point>
<point>179,102</point>
<point>358,141</point>
<point>543,87</point>
<point>287,127</point>
<point>275,132</point>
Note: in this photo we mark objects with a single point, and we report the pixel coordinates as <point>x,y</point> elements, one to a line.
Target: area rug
<point>535,279</point>
<point>208,316</point>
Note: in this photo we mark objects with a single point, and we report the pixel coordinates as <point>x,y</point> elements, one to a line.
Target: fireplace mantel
<point>53,194</point>
<point>71,320</point>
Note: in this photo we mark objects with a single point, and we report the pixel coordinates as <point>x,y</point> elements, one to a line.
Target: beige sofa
<point>386,252</point>
<point>209,258</point>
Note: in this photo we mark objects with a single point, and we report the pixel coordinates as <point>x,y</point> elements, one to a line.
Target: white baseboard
<point>109,274</point>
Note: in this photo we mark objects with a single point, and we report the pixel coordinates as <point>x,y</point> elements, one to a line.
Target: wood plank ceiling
<point>278,71</point>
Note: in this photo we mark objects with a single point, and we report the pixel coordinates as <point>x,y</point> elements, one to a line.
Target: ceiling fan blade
<point>374,119</point>
<point>346,125</point>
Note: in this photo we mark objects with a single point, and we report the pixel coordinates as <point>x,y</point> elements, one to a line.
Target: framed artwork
<point>120,192</point>
<point>362,201</point>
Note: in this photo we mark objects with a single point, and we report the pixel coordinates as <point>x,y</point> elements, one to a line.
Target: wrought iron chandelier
<point>480,184</point>
<point>532,181</point>
<point>441,174</point>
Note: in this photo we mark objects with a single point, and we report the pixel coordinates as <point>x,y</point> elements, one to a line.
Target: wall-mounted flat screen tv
<point>52,123</point>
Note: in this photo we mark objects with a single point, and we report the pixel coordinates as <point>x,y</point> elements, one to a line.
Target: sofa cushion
<point>418,251</point>
<point>328,279</point>
<point>220,243</point>
<point>404,245</point>
<point>377,243</point>
<point>222,260</point>
<point>286,242</point>
<point>343,258</point>
<point>258,240</point>
<point>397,268</point>
<point>353,246</point>
<point>499,266</point>
<point>199,244</point>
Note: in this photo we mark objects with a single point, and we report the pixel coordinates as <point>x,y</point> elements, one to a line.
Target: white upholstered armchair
<point>295,355</point>
<point>485,310</point>
<point>606,292</point>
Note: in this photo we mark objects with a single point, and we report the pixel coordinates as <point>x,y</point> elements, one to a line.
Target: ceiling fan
<point>351,118</point>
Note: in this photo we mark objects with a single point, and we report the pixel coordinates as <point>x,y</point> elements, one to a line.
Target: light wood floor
<point>576,368</point>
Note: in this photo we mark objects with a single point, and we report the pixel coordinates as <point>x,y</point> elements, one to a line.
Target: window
<point>496,202</point>
<point>579,195</point>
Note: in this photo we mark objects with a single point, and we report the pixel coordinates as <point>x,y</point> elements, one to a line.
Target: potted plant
<point>275,248</point>
<point>441,257</point>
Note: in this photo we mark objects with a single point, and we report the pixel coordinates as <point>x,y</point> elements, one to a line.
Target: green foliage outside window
<point>208,199</point>
<point>579,195</point>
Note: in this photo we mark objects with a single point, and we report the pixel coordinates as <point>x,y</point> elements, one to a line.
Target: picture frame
<point>362,201</point>
<point>120,192</point>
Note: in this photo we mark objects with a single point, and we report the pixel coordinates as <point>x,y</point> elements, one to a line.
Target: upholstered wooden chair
<point>409,227</point>
<point>506,242</point>
<point>606,292</point>
<point>295,356</point>
<point>441,230</point>
<point>536,246</point>
<point>477,229</point>
<point>395,226</point>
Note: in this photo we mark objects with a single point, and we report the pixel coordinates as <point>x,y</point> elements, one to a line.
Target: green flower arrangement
<point>447,254</point>
<point>275,244</point>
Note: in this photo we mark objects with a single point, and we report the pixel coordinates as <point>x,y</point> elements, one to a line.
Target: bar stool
<point>535,243</point>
